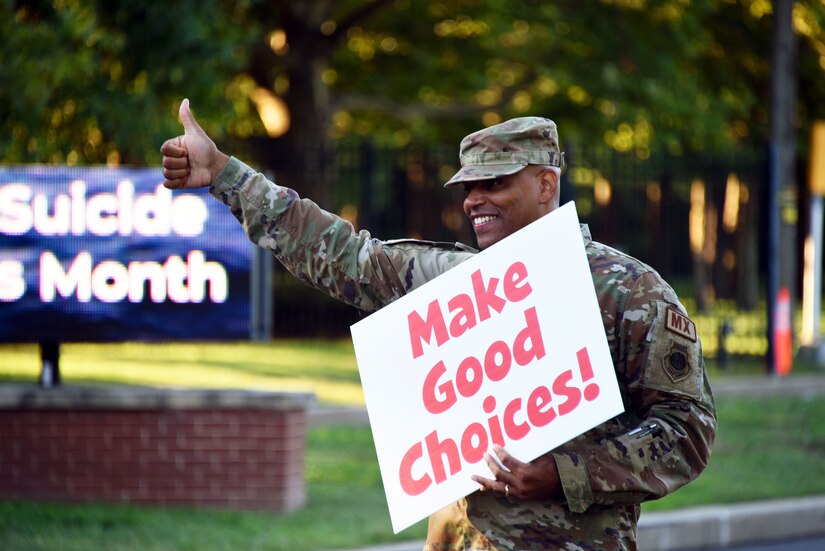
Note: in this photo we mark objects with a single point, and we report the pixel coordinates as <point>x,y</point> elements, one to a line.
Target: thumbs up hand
<point>191,160</point>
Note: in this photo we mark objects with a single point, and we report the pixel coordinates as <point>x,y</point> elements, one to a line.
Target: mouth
<point>482,220</point>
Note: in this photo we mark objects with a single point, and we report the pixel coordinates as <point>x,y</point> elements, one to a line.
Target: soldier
<point>586,494</point>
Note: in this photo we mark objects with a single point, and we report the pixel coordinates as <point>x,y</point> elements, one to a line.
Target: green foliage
<point>637,75</point>
<point>91,82</point>
<point>94,81</point>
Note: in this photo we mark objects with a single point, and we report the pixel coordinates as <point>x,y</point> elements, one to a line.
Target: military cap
<point>506,148</point>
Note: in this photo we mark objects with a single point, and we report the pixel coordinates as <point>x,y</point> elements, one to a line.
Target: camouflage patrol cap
<point>506,148</point>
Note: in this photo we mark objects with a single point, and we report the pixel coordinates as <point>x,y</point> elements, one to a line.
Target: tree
<point>293,56</point>
<point>94,81</point>
<point>97,82</point>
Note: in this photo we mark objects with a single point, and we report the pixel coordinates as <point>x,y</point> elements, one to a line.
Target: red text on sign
<point>528,345</point>
<point>467,311</point>
<point>442,457</point>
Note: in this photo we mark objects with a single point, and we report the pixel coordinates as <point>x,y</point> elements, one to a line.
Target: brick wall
<point>229,454</point>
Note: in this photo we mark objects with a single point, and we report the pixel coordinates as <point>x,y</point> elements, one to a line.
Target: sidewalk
<point>707,527</point>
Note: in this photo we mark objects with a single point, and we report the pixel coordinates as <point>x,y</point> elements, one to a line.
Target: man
<point>586,494</point>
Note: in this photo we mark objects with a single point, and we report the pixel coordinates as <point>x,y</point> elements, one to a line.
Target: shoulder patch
<point>676,322</point>
<point>677,363</point>
<point>674,361</point>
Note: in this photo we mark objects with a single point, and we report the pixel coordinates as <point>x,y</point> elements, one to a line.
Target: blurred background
<point>668,112</point>
<point>689,130</point>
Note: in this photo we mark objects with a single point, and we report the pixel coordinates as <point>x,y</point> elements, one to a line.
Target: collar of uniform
<point>586,234</point>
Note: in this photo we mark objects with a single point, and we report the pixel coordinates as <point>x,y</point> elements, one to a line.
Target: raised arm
<point>316,246</point>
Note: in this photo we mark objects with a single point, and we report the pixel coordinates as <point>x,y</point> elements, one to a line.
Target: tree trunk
<point>305,162</point>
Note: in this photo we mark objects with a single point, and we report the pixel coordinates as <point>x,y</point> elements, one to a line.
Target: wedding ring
<point>507,490</point>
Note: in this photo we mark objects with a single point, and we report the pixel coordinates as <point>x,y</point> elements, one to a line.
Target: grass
<point>767,448</point>
<point>326,368</point>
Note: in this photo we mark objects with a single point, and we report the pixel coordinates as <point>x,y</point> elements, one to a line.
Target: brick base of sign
<point>236,450</point>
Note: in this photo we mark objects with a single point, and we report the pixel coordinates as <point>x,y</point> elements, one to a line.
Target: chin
<point>483,243</point>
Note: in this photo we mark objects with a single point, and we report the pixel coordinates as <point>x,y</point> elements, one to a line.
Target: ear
<point>548,187</point>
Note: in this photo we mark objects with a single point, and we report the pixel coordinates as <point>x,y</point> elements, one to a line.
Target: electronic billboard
<point>96,254</point>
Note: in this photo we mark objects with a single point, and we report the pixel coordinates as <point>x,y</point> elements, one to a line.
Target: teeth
<point>482,220</point>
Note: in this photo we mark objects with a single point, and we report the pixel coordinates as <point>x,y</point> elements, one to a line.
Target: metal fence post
<point>260,295</point>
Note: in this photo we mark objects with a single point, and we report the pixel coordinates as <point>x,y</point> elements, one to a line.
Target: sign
<point>108,254</point>
<point>507,348</point>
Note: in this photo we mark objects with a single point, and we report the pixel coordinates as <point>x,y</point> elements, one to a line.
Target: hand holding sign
<point>192,160</point>
<point>538,479</point>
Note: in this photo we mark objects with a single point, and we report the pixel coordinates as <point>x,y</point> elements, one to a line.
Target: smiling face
<point>497,208</point>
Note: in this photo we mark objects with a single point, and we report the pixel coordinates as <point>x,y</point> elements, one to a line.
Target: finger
<point>175,162</point>
<point>175,173</point>
<point>175,183</point>
<point>485,483</point>
<point>500,485</point>
<point>504,482</point>
<point>499,474</point>
<point>190,125</point>
<point>173,148</point>
<point>510,463</point>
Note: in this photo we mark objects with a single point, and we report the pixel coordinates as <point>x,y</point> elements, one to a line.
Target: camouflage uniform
<point>660,443</point>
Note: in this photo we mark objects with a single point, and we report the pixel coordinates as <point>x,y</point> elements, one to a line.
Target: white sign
<point>507,348</point>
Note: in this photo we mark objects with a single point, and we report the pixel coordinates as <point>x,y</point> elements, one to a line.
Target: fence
<point>695,218</point>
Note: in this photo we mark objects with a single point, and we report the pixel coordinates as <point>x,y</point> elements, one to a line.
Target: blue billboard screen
<point>97,254</point>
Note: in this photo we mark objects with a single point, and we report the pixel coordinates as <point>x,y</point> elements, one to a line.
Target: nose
<point>474,198</point>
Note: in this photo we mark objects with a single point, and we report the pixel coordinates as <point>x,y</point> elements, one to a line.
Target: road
<point>810,544</point>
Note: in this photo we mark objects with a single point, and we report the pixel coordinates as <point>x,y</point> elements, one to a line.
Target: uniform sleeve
<point>664,438</point>
<point>322,249</point>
